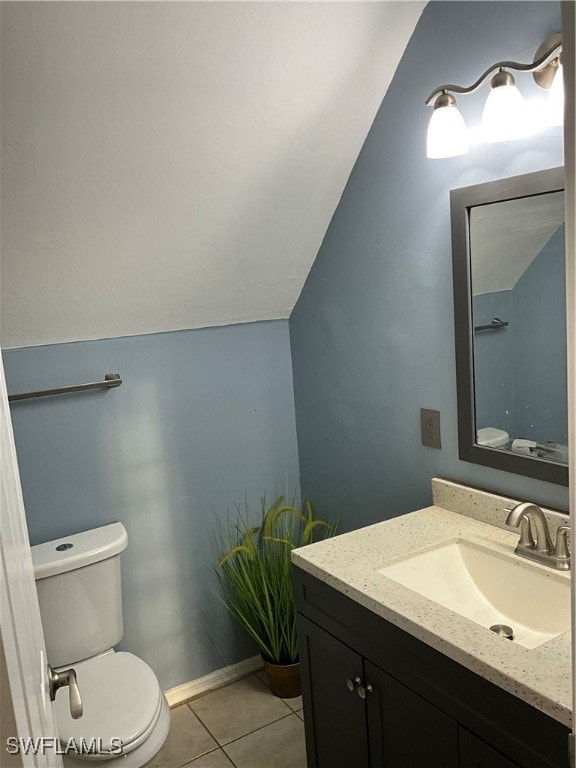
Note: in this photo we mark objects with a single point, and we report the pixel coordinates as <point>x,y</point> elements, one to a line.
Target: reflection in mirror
<point>517,274</point>
<point>510,324</point>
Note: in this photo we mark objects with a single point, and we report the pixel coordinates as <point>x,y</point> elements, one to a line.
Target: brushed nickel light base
<point>544,77</point>
<point>544,62</point>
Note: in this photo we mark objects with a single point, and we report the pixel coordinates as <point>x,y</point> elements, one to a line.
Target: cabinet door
<point>334,715</point>
<point>405,730</point>
<point>475,753</point>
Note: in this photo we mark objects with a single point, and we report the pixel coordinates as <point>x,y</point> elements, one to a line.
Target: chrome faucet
<point>535,542</point>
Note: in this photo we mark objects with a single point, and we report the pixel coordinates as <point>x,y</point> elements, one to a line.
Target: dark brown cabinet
<point>333,673</point>
<point>376,697</point>
<point>476,754</point>
<point>362,716</point>
<point>405,729</point>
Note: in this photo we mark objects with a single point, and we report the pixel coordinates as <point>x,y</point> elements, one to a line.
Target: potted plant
<point>255,574</point>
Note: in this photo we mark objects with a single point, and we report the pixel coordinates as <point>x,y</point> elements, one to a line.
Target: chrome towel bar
<point>110,380</point>
<point>492,326</point>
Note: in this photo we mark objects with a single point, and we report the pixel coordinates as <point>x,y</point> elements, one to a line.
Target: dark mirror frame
<point>461,201</point>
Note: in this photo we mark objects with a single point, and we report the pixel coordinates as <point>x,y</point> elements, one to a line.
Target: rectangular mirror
<point>510,324</point>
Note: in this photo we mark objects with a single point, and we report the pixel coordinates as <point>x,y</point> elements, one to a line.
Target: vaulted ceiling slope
<point>175,165</point>
<point>507,236</point>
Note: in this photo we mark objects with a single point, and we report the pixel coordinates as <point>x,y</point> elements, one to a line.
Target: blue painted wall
<point>540,346</point>
<point>372,335</point>
<point>202,418</point>
<point>494,363</point>
<point>520,371</point>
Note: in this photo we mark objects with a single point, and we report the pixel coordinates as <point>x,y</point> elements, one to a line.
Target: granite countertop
<point>349,563</point>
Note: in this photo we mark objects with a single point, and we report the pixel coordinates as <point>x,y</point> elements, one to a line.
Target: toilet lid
<point>121,699</point>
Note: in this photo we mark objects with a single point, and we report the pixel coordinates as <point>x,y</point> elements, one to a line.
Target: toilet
<point>125,716</point>
<point>492,437</point>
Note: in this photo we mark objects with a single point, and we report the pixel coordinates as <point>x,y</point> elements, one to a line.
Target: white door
<point>20,626</point>
<point>568,56</point>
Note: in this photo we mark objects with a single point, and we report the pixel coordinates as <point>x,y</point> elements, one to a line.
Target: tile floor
<point>241,725</point>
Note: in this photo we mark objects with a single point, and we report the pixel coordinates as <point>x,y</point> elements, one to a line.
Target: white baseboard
<point>215,679</point>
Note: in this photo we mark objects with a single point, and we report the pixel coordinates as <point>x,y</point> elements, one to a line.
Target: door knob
<point>364,690</point>
<point>351,683</point>
<point>58,680</point>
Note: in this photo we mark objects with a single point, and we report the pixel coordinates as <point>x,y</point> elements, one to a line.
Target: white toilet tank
<point>492,437</point>
<point>79,590</point>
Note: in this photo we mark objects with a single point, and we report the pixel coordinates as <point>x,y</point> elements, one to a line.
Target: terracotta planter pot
<point>284,679</point>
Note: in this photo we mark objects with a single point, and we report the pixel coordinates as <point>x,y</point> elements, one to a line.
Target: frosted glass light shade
<point>556,99</point>
<point>505,115</point>
<point>447,133</point>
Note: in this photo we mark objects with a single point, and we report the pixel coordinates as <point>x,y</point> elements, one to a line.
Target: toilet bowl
<point>125,716</point>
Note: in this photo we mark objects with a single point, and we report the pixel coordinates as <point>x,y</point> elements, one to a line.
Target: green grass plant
<point>255,574</point>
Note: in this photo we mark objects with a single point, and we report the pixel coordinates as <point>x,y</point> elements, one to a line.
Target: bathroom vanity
<point>393,678</point>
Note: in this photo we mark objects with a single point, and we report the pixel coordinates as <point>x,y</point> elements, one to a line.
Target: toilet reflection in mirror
<point>519,325</point>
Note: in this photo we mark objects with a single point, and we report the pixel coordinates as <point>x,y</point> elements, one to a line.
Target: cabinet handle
<point>352,683</point>
<point>364,690</point>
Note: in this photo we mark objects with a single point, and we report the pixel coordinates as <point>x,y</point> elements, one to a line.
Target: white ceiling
<point>176,165</point>
<point>506,237</point>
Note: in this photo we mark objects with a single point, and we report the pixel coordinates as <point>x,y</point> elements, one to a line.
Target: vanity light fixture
<point>447,132</point>
<point>556,97</point>
<point>504,117</point>
<point>443,140</point>
<point>505,114</point>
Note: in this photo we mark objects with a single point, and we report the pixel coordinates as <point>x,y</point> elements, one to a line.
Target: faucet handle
<point>561,551</point>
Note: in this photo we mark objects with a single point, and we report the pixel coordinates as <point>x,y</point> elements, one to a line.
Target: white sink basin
<point>490,589</point>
